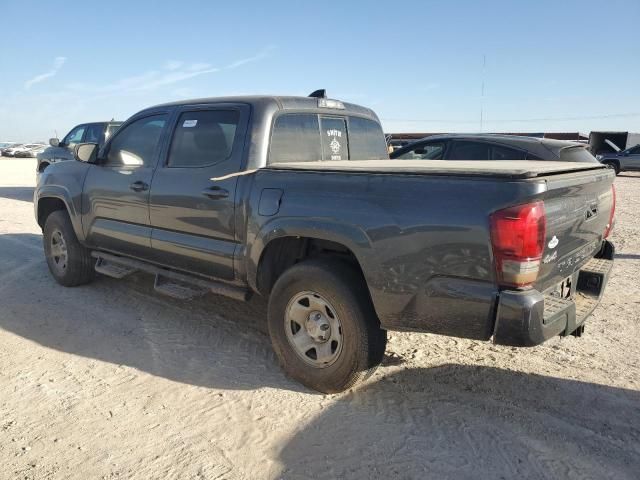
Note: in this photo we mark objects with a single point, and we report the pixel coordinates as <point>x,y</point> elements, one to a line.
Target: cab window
<point>203,138</point>
<point>462,150</point>
<point>425,151</point>
<point>136,144</point>
<point>74,136</point>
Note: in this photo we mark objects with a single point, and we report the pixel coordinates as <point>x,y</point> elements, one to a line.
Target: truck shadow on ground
<point>211,341</point>
<point>17,193</point>
<point>460,421</point>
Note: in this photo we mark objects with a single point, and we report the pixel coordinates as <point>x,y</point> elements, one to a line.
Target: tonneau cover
<point>482,168</point>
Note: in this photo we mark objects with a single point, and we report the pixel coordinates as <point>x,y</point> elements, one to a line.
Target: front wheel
<point>69,262</point>
<point>323,326</point>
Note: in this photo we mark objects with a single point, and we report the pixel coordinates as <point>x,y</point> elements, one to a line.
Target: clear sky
<point>550,65</point>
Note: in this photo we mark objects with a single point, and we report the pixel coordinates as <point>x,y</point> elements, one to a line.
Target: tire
<point>353,345</point>
<point>69,262</point>
<point>614,165</point>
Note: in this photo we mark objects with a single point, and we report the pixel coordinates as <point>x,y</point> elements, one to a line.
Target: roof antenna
<point>322,93</point>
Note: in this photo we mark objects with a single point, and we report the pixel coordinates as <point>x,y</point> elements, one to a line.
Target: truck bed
<point>491,168</point>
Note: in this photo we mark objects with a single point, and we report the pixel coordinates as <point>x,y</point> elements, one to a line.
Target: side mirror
<point>85,152</point>
<point>54,142</point>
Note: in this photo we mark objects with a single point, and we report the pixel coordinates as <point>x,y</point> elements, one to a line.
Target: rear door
<point>116,191</point>
<point>192,216</point>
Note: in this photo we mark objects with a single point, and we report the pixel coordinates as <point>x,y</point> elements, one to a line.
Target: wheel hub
<point>313,329</point>
<point>318,327</point>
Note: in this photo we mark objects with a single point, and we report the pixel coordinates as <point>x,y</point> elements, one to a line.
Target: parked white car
<point>30,152</point>
<point>11,152</point>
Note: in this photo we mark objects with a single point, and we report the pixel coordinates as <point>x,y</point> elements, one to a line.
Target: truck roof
<point>282,102</point>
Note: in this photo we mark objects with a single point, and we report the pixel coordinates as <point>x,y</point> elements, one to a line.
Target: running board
<point>114,270</point>
<point>170,282</point>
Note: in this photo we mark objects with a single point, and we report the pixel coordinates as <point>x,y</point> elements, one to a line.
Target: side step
<point>177,290</point>
<point>114,270</point>
<point>169,282</point>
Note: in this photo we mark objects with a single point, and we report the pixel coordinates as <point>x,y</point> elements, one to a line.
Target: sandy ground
<point>112,380</point>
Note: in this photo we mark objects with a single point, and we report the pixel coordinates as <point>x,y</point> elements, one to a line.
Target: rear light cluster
<point>612,214</point>
<point>517,238</point>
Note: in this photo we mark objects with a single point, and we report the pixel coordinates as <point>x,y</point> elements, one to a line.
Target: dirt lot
<point>112,380</point>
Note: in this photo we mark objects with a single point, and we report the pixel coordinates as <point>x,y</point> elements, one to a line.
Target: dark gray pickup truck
<point>295,199</point>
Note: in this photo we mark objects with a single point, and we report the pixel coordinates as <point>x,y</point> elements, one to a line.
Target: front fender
<point>61,193</point>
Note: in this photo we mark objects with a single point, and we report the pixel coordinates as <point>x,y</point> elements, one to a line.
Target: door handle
<point>215,192</point>
<point>139,186</point>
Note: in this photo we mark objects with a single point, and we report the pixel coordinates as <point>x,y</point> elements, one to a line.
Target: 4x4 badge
<point>553,243</point>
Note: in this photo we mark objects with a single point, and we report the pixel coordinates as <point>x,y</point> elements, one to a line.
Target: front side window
<point>203,138</point>
<point>74,136</point>
<point>425,151</point>
<point>469,151</point>
<point>137,144</point>
<point>635,150</point>
<point>296,138</point>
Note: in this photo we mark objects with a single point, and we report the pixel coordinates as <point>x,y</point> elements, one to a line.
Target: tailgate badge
<point>553,243</point>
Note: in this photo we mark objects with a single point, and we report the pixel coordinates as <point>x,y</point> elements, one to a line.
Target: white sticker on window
<point>190,123</point>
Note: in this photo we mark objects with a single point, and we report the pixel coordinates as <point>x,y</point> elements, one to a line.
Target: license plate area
<point>563,290</point>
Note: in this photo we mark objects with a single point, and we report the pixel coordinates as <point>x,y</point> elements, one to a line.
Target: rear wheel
<point>69,262</point>
<point>323,327</point>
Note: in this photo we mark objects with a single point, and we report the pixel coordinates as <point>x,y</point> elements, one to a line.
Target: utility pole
<point>484,64</point>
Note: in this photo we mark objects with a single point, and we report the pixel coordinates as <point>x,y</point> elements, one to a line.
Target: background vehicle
<point>95,132</point>
<point>493,147</point>
<point>626,160</point>
<point>13,151</point>
<point>6,145</point>
<point>295,199</point>
<point>30,152</point>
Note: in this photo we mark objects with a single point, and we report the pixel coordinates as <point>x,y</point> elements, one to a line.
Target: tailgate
<point>578,209</point>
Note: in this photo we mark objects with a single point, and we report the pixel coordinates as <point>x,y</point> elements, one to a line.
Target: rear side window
<point>499,152</point>
<point>469,151</point>
<point>366,140</point>
<point>203,138</point>
<point>577,154</point>
<point>302,137</point>
<point>296,138</point>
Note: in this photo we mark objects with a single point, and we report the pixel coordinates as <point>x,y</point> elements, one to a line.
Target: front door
<point>631,159</point>
<point>193,216</point>
<point>116,191</point>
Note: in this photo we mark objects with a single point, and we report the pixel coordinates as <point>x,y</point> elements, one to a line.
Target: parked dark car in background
<point>61,150</point>
<point>493,147</point>
<point>626,160</point>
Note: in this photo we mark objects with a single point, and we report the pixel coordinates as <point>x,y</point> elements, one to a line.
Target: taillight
<point>609,226</point>
<point>517,238</point>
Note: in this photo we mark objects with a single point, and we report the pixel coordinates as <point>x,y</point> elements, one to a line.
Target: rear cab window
<point>577,154</point>
<point>311,137</point>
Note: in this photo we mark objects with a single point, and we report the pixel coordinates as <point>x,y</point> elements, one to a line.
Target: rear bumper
<point>528,318</point>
